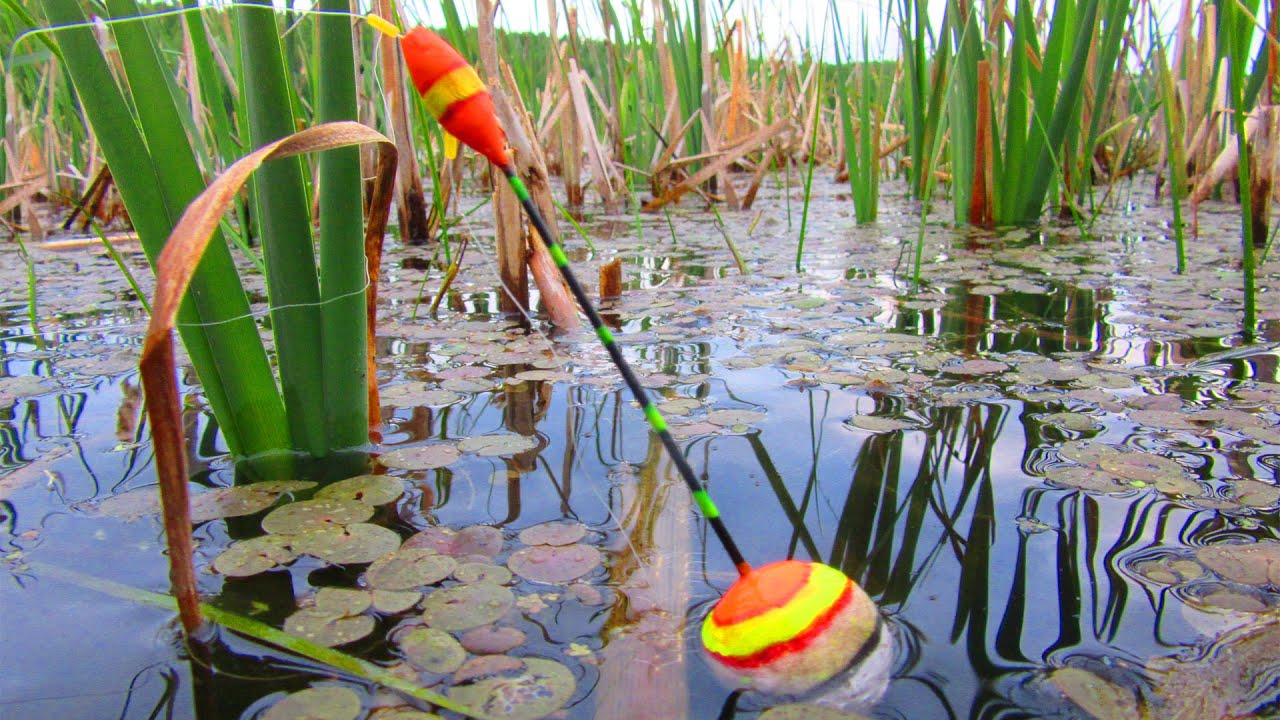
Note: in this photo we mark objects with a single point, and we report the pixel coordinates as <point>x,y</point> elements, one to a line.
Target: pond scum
<point>1048,453</point>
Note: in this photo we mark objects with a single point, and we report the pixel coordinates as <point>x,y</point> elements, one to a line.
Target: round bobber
<point>789,626</point>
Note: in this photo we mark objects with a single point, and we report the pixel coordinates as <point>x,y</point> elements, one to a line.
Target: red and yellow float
<point>788,626</point>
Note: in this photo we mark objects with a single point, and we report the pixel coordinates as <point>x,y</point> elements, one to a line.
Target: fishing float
<point>786,627</point>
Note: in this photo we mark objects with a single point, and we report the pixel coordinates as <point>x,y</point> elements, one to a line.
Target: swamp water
<point>1053,467</point>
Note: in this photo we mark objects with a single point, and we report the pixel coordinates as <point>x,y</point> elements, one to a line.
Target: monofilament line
<point>651,413</point>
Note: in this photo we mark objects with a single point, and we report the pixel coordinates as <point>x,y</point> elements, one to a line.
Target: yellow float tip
<point>383,25</point>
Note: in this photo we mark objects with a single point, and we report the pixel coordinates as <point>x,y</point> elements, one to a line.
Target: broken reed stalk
<point>411,209</point>
<point>174,270</point>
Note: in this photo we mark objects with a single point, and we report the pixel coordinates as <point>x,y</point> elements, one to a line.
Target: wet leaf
<point>727,418</point>
<point>327,629</point>
<point>409,568</point>
<point>301,516</point>
<point>401,713</point>
<point>1075,422</point>
<point>976,367</point>
<point>466,606</point>
<point>477,540</point>
<point>368,489</point>
<point>492,640</point>
<point>317,703</point>
<point>1093,694</point>
<point>392,602</point>
<point>1084,478</point>
<point>475,572</point>
<point>543,687</point>
<point>416,394</point>
<point>1233,678</point>
<point>553,533</point>
<point>498,444</point>
<point>1254,494</point>
<point>1255,564</point>
<point>341,601</point>
<point>1163,419</point>
<point>1141,469</point>
<point>552,564</point>
<point>253,556</point>
<point>422,457</point>
<point>351,545</point>
<point>432,650</point>
<point>876,423</point>
<point>487,666</point>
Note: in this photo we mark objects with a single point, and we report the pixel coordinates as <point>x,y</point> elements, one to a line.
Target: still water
<point>1053,467</point>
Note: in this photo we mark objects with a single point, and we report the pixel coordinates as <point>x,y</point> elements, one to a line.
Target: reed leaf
<point>156,177</point>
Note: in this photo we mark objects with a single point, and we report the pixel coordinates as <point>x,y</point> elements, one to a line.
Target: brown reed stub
<point>611,279</point>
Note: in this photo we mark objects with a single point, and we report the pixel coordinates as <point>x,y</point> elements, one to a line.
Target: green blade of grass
<point>155,179</point>
<point>342,271</point>
<point>284,219</point>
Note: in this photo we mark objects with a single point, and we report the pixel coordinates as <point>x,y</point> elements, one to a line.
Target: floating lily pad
<point>543,687</point>
<point>392,602</point>
<point>1095,695</point>
<point>544,376</point>
<point>483,540</point>
<point>351,545</point>
<point>1248,563</point>
<point>877,423</point>
<point>341,601</point>
<point>432,650</point>
<point>1168,569</point>
<point>553,533</point>
<point>318,703</point>
<point>554,564</point>
<point>976,367</point>
<point>1255,494</point>
<point>368,489</point>
<point>498,444</point>
<point>326,629</point>
<point>729,418</point>
<point>474,572</point>
<point>255,555</point>
<point>1140,469</point>
<point>492,640</point>
<point>409,568</point>
<point>1088,479</point>
<point>301,516</point>
<point>807,711</point>
<point>205,506</point>
<point>487,666</point>
<point>466,606</point>
<point>416,394</point>
<point>422,457</point>
<point>680,406</point>
<point>1085,452</point>
<point>1075,422</point>
<point>1164,419</point>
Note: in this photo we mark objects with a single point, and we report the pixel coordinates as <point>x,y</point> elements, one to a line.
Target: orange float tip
<point>454,94</point>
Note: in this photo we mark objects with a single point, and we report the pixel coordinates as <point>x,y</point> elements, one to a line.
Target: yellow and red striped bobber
<point>789,626</point>
<point>454,94</point>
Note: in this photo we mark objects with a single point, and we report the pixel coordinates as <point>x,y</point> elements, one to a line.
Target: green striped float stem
<point>656,421</point>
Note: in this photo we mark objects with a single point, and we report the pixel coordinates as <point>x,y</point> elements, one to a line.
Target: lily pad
<point>729,418</point>
<point>1254,493</point>
<point>317,703</point>
<point>877,423</point>
<point>255,555</point>
<point>1141,469</point>
<point>341,601</point>
<point>492,640</point>
<point>482,540</point>
<point>541,688</point>
<point>1095,695</point>
<point>1255,564</point>
<point>326,512</point>
<point>416,394</point>
<point>976,367</point>
<point>466,606</point>
<point>554,564</point>
<point>326,629</point>
<point>409,568</point>
<point>368,489</point>
<point>393,602</point>
<point>403,712</point>
<point>486,666</point>
<point>498,444</point>
<point>1075,422</point>
<point>432,650</point>
<point>1088,479</point>
<point>475,572</point>
<point>553,533</point>
<point>205,506</point>
<point>422,457</point>
<point>352,545</point>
